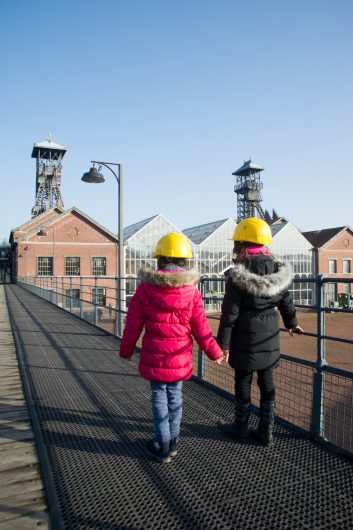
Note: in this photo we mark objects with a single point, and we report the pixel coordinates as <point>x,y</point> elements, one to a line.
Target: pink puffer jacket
<point>169,306</point>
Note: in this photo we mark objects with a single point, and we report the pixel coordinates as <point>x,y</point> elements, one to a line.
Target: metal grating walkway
<point>94,416</point>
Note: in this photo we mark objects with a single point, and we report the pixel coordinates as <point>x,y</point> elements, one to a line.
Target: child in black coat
<point>249,329</point>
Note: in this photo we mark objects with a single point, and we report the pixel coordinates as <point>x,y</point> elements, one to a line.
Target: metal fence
<point>314,391</point>
<point>92,298</point>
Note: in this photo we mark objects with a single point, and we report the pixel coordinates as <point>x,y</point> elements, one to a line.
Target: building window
<point>330,294</point>
<point>45,266</point>
<point>99,266</point>
<point>346,288</point>
<point>346,266</point>
<point>332,266</point>
<point>73,266</point>
<point>72,298</point>
<point>98,296</point>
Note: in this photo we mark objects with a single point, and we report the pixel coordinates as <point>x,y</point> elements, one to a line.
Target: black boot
<point>159,451</point>
<point>263,433</point>
<point>239,427</point>
<point>173,447</point>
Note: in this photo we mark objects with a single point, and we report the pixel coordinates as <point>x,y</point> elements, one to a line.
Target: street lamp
<point>93,176</point>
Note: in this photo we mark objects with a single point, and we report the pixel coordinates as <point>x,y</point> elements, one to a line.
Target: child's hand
<point>128,359</point>
<point>297,331</point>
<point>219,360</point>
<point>223,358</point>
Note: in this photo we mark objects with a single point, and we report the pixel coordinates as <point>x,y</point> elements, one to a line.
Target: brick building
<point>333,256</point>
<point>68,245</point>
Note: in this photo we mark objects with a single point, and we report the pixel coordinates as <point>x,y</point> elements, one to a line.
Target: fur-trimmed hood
<point>267,285</point>
<point>169,278</point>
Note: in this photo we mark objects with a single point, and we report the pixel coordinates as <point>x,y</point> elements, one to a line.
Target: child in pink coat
<point>168,305</point>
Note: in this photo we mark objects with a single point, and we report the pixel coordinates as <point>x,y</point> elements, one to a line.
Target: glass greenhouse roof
<point>131,230</point>
<point>198,234</point>
<point>277,228</point>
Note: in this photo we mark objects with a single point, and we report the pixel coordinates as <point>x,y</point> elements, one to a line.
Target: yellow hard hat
<point>253,230</point>
<point>173,245</point>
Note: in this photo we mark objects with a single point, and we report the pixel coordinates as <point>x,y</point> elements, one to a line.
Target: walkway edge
<point>56,521</point>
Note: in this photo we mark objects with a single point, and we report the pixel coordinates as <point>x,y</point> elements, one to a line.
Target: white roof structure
<point>198,234</point>
<point>49,144</point>
<point>131,230</point>
<point>42,147</point>
<point>275,229</point>
<point>141,239</point>
<point>286,235</point>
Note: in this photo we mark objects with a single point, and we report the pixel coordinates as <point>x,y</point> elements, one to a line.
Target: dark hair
<point>162,261</point>
<point>240,252</point>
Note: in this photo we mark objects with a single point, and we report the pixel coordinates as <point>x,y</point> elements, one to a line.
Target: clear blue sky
<point>181,92</point>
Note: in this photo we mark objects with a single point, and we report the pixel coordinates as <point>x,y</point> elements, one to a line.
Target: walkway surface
<point>93,418</point>
<point>22,499</point>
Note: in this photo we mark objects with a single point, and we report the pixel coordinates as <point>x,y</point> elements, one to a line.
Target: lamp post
<point>93,176</point>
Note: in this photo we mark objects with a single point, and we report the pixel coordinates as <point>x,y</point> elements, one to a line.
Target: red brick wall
<point>36,222</point>
<point>68,235</point>
<point>340,248</point>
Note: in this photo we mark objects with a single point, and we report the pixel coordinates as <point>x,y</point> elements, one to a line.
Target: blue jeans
<point>166,400</point>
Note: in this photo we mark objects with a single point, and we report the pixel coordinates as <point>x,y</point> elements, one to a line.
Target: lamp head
<point>41,232</point>
<point>93,176</point>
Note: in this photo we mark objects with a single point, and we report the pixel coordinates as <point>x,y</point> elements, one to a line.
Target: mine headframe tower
<point>248,189</point>
<point>48,157</point>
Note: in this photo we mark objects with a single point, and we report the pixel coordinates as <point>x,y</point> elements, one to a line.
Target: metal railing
<point>92,298</point>
<point>314,390</point>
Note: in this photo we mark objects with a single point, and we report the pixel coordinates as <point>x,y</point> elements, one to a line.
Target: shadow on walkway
<point>94,416</point>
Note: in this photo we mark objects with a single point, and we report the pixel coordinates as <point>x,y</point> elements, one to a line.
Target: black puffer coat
<point>249,326</point>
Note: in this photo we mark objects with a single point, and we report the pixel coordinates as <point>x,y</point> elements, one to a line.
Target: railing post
<point>317,418</point>
<point>56,291</point>
<point>81,297</point>
<point>201,368</point>
<point>116,324</point>
<point>201,372</point>
<point>95,299</point>
<point>70,294</point>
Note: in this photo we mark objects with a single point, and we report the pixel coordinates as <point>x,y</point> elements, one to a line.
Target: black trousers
<point>265,383</point>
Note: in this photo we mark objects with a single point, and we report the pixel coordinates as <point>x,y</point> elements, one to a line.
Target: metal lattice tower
<point>48,176</point>
<point>248,188</point>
